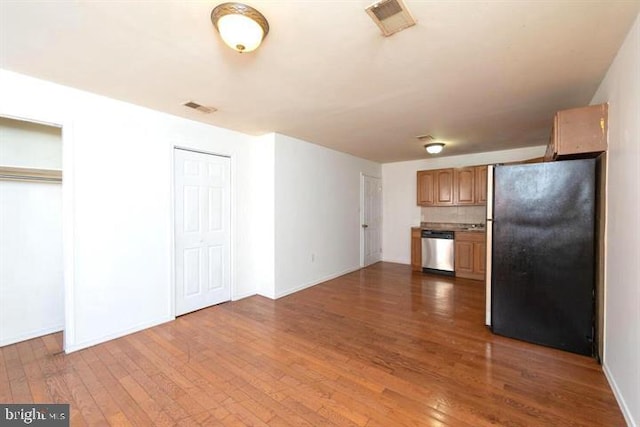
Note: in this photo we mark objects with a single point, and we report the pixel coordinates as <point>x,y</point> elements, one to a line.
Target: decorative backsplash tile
<point>454,214</point>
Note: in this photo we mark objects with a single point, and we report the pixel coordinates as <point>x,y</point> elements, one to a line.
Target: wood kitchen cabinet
<point>578,133</point>
<point>435,187</point>
<point>416,249</point>
<point>444,187</point>
<point>479,257</point>
<point>452,187</point>
<point>470,255</point>
<point>426,188</point>
<point>464,186</point>
<point>481,185</point>
<point>463,258</point>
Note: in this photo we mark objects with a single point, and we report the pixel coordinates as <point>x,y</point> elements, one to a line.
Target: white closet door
<point>202,230</point>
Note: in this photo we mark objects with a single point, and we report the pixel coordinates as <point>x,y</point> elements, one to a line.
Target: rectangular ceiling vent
<point>390,16</point>
<point>201,108</point>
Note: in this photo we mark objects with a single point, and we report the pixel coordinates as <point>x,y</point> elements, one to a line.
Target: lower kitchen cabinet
<point>470,255</point>
<point>416,249</point>
<point>479,258</point>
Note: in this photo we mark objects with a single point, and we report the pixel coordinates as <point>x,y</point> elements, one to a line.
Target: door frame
<point>172,236</point>
<point>361,216</point>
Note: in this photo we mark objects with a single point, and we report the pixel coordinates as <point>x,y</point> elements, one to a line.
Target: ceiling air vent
<point>391,16</point>
<point>201,108</point>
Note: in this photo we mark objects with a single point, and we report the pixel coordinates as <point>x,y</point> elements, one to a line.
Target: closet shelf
<point>11,173</point>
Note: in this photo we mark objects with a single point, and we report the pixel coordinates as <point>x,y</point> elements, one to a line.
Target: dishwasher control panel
<point>437,234</point>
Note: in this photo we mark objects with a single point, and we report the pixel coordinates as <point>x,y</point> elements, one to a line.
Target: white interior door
<point>371,219</point>
<point>202,230</point>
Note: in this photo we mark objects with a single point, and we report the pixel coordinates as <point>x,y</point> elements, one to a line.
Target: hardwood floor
<point>378,347</point>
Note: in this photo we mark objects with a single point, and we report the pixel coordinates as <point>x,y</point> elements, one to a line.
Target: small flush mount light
<point>434,148</point>
<point>241,27</point>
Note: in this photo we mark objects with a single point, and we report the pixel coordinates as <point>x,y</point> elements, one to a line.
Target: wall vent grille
<point>199,107</point>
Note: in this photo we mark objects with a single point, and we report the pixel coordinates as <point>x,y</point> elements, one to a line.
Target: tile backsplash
<point>454,214</point>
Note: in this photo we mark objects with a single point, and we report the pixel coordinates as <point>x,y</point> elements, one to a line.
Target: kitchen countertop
<point>449,226</point>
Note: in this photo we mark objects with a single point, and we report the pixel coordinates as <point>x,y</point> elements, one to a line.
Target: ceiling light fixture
<point>434,148</point>
<point>241,27</point>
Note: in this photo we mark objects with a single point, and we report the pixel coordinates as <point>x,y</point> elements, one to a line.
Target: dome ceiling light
<point>241,27</point>
<point>434,148</point>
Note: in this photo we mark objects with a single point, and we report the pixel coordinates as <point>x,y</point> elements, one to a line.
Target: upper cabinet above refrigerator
<point>578,133</point>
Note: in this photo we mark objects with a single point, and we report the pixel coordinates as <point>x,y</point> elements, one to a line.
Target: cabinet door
<point>479,252</point>
<point>481,185</point>
<point>426,188</point>
<point>444,186</point>
<point>416,250</point>
<point>464,257</point>
<point>464,186</point>
<point>580,130</point>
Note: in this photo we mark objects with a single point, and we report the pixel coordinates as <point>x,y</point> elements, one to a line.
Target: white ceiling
<point>480,75</point>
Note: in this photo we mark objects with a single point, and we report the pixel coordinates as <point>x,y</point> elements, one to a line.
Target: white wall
<point>621,88</point>
<point>263,229</point>
<point>399,209</point>
<point>117,204</point>
<point>317,219</point>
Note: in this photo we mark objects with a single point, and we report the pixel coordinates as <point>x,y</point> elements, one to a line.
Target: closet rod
<point>28,178</point>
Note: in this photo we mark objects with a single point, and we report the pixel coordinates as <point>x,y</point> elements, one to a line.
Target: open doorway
<point>31,254</point>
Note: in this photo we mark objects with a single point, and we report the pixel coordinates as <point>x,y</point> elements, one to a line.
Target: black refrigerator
<point>541,276</point>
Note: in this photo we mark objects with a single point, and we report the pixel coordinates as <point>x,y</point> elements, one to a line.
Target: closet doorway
<point>31,254</point>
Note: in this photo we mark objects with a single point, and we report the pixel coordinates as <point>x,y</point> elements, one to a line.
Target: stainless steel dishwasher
<point>437,252</point>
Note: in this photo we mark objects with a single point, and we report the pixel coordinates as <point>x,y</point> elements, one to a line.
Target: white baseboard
<point>313,283</point>
<point>30,335</point>
<point>616,392</point>
<point>242,296</point>
<point>397,261</point>
<point>269,295</point>
<point>137,328</point>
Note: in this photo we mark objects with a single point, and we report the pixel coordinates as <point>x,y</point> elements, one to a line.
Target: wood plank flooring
<point>378,347</point>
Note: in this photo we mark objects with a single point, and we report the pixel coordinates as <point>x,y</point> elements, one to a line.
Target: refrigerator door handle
<point>489,244</point>
<point>490,192</point>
